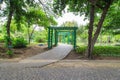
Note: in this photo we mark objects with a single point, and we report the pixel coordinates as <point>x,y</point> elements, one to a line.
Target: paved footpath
<point>53,55</point>
<point>31,68</point>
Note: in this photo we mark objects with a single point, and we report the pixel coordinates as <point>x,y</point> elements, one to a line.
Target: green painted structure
<point>55,32</point>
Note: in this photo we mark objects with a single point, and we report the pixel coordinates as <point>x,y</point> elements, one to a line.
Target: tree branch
<point>93,2</point>
<point>101,22</point>
<point>46,8</point>
<point>99,6</point>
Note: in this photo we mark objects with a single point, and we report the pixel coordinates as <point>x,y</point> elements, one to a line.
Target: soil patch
<point>22,53</point>
<point>73,55</point>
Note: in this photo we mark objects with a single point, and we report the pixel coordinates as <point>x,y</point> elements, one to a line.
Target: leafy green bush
<point>113,51</point>
<point>117,38</point>
<point>107,50</point>
<point>1,39</point>
<point>19,42</point>
<point>10,53</point>
<point>40,39</point>
<point>81,49</point>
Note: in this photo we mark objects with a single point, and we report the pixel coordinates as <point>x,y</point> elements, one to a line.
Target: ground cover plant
<point>105,51</point>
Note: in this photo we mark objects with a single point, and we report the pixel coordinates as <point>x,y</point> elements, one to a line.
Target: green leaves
<point>19,42</point>
<point>112,21</point>
<point>38,16</point>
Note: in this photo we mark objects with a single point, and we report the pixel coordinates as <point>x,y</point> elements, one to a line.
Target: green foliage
<point>40,39</point>
<point>78,6</point>
<point>1,39</point>
<point>19,42</point>
<point>112,51</point>
<point>7,40</point>
<point>10,53</point>
<point>107,51</point>
<point>117,38</point>
<point>40,36</point>
<point>38,16</point>
<point>70,24</point>
<point>81,49</point>
<point>82,34</point>
<point>113,19</point>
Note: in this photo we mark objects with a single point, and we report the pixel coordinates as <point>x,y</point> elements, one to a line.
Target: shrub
<point>10,53</point>
<point>40,39</point>
<point>107,51</point>
<point>113,51</point>
<point>19,42</point>
<point>2,39</point>
<point>117,38</point>
<point>81,49</point>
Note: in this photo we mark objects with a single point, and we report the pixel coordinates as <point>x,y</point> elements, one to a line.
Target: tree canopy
<point>89,8</point>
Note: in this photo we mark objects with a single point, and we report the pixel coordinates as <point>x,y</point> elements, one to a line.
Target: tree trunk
<point>90,31</point>
<point>92,41</point>
<point>9,43</point>
<point>30,35</point>
<point>97,32</point>
<point>100,24</point>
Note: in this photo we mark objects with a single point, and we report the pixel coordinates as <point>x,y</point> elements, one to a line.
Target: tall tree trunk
<point>8,26</point>
<point>90,31</point>
<point>97,32</point>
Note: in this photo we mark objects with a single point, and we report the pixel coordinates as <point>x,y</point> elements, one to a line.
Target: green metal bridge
<point>61,34</point>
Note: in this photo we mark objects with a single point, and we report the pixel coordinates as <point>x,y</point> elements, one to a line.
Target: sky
<point>71,17</point>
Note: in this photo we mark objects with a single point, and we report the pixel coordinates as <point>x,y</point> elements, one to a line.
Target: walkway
<point>53,55</point>
<point>63,70</point>
<point>32,68</point>
<point>50,56</point>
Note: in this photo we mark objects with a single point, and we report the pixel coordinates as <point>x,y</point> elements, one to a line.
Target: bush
<point>81,49</point>
<point>40,39</point>
<point>2,38</point>
<point>117,38</point>
<point>19,42</point>
<point>112,51</point>
<point>107,51</point>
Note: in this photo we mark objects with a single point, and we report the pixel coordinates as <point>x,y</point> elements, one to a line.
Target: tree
<point>89,8</point>
<point>113,19</point>
<point>17,9</point>
<point>37,17</point>
<point>13,8</point>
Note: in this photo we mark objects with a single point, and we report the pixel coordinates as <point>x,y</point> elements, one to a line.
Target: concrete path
<point>50,56</point>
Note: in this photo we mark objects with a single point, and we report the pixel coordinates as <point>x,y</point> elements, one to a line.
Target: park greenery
<point>25,22</point>
<point>94,10</point>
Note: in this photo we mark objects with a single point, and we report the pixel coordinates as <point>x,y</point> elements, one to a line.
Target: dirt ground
<point>74,55</point>
<point>22,53</point>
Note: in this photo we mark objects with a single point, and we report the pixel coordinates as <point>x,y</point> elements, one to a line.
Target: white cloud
<point>71,17</point>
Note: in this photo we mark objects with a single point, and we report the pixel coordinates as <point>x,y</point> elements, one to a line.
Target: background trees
<point>24,17</point>
<point>25,12</point>
<point>89,8</point>
<point>20,16</point>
